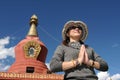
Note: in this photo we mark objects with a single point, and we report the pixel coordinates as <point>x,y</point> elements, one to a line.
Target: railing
<point>29,76</point>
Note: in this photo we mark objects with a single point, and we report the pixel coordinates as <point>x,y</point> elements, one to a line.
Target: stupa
<point>30,56</point>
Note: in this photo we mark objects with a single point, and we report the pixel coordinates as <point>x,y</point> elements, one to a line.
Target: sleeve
<point>57,59</point>
<point>103,63</point>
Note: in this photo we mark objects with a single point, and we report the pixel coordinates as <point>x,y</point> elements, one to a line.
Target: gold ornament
<point>32,49</point>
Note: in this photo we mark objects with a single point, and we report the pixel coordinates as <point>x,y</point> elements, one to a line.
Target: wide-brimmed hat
<point>78,24</point>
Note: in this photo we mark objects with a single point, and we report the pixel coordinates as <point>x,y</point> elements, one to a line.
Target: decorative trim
<point>4,75</point>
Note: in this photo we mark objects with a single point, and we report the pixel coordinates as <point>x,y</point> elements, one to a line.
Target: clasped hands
<point>83,57</point>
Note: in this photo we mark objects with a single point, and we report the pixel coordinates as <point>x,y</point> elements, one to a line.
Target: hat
<point>75,23</point>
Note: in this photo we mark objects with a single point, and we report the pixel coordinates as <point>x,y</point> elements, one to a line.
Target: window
<point>29,69</point>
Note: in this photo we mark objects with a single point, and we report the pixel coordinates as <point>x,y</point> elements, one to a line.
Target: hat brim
<point>76,23</point>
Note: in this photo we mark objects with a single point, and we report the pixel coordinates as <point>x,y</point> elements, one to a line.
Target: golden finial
<point>34,20</point>
<point>33,25</point>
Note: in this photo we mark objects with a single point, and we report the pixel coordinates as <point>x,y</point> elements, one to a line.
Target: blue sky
<point>102,18</point>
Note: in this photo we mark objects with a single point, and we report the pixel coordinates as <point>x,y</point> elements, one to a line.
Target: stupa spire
<point>33,25</point>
